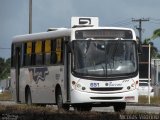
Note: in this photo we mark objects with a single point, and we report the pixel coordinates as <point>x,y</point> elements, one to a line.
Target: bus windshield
<point>104,58</point>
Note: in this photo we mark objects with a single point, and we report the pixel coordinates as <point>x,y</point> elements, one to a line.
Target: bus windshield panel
<point>99,58</point>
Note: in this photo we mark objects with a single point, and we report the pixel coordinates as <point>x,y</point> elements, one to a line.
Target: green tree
<point>156,34</point>
<point>154,50</point>
<point>8,67</point>
<point>4,68</point>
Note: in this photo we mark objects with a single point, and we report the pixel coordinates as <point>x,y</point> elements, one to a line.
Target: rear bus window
<point>38,53</point>
<point>47,52</point>
<point>27,53</point>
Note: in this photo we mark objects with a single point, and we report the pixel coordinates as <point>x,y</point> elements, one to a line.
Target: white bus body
<point>81,67</point>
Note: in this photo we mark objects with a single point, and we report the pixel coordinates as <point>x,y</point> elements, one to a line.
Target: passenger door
<point>17,72</point>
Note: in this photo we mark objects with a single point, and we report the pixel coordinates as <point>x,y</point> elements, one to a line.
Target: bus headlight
<point>128,87</point>
<point>78,86</point>
<point>73,82</point>
<point>83,88</point>
<point>131,87</point>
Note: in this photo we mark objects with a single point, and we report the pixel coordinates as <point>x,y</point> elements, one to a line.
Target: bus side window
<point>27,53</point>
<point>47,52</point>
<point>59,50</point>
<point>38,53</point>
<point>53,52</point>
<point>24,54</point>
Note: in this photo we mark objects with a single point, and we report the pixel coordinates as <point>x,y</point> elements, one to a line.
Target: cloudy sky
<point>57,13</point>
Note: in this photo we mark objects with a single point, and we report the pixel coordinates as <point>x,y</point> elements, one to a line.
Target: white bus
<point>80,67</point>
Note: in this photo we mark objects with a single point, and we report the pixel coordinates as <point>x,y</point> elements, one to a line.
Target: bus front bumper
<point>85,97</point>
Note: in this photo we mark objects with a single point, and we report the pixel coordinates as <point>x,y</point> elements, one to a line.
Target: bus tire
<point>28,97</point>
<point>83,107</point>
<point>59,101</point>
<point>119,107</point>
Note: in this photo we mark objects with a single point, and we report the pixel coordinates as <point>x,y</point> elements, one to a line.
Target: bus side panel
<point>42,82</point>
<point>42,90</point>
<point>34,78</point>
<point>62,81</point>
<point>24,80</point>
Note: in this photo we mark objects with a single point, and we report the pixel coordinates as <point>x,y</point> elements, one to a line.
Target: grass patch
<point>21,109</point>
<point>5,96</point>
<point>153,100</point>
<point>24,112</point>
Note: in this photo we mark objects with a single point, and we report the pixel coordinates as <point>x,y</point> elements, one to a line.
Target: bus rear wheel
<point>119,107</point>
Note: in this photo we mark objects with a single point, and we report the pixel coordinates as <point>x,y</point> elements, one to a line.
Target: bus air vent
<point>107,89</point>
<point>106,98</point>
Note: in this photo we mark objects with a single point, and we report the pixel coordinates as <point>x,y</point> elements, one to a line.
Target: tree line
<point>154,51</point>
<point>4,68</point>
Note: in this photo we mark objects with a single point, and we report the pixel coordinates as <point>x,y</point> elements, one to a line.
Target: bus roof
<point>42,35</point>
<point>60,33</point>
<point>109,28</point>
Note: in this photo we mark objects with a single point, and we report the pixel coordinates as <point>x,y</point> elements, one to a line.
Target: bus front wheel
<point>119,107</point>
<point>83,107</point>
<point>59,101</point>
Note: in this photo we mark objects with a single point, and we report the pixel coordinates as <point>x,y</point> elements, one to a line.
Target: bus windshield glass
<point>100,58</point>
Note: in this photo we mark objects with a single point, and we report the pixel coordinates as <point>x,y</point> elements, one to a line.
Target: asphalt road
<point>129,108</point>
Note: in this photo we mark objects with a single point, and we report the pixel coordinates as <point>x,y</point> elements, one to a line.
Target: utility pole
<point>149,51</point>
<point>30,16</point>
<point>140,26</point>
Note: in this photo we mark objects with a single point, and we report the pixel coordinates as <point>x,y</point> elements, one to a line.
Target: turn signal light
<point>127,98</point>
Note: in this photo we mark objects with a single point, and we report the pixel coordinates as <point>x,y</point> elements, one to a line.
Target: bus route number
<point>93,85</point>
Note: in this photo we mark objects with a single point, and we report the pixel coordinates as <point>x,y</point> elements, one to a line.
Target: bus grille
<point>107,89</point>
<point>106,98</point>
